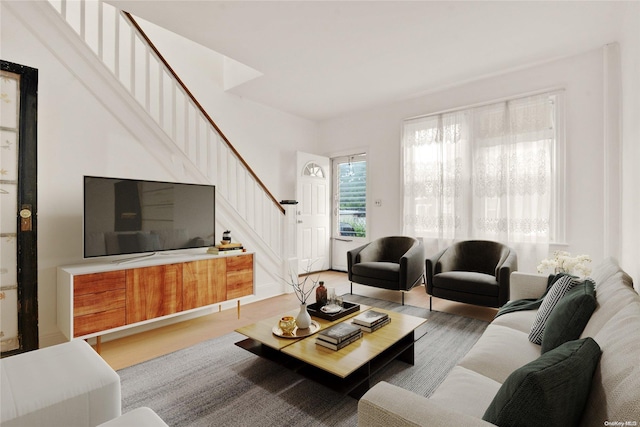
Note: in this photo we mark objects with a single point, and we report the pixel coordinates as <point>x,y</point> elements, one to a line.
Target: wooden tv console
<point>98,298</point>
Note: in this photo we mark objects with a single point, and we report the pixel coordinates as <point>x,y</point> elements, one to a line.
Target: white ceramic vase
<point>303,321</point>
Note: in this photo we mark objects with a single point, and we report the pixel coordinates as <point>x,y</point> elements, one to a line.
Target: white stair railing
<point>119,42</point>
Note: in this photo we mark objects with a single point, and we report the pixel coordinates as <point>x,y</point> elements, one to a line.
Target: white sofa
<point>139,417</point>
<point>64,385</point>
<point>466,393</point>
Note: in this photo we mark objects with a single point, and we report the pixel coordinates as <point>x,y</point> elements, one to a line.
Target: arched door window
<point>313,170</point>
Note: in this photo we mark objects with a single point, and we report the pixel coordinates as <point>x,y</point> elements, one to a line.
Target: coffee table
<point>348,370</point>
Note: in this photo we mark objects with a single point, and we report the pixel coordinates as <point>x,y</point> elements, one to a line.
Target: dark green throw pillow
<point>569,317</point>
<point>551,390</point>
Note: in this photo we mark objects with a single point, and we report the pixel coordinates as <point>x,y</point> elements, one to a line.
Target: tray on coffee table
<point>347,308</point>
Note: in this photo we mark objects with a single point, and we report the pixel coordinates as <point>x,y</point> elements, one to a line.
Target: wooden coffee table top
<point>348,359</point>
<point>341,362</point>
<point>262,331</point>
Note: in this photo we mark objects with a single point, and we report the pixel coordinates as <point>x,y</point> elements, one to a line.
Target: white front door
<point>313,192</point>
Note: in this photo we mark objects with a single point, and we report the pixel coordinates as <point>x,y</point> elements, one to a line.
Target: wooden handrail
<point>199,106</point>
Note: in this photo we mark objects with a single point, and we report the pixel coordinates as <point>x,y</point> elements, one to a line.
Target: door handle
<point>25,218</point>
<point>343,240</point>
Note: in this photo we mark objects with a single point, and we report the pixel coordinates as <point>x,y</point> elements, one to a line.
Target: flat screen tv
<point>130,216</point>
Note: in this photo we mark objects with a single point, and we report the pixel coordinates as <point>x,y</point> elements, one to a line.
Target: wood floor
<point>127,351</point>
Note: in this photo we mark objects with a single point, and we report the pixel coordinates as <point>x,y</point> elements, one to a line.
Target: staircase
<point>111,50</point>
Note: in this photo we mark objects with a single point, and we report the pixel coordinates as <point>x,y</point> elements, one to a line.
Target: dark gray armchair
<point>395,263</point>
<point>473,271</point>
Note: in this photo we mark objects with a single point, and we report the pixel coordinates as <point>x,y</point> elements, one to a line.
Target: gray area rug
<point>216,383</point>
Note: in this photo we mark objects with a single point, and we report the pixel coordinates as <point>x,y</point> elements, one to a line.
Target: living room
<point>81,133</point>
<point>96,143</point>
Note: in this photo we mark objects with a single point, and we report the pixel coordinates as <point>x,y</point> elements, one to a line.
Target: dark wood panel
<point>239,284</point>
<point>153,292</point>
<point>98,302</point>
<point>98,282</point>
<point>204,283</point>
<point>91,323</point>
<point>240,262</point>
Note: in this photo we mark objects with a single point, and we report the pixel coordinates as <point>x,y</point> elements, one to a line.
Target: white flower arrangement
<point>563,262</point>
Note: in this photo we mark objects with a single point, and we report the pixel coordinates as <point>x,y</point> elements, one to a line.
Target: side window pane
<point>352,196</point>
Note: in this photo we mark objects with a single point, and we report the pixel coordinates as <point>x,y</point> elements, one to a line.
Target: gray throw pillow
<point>563,284</point>
<point>570,315</point>
<point>550,391</point>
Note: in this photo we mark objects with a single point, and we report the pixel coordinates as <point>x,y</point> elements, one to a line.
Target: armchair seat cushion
<point>468,282</point>
<point>381,270</point>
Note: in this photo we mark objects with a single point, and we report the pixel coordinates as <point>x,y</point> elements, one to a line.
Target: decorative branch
<point>301,288</point>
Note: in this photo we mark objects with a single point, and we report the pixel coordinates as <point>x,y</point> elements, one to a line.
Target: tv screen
<point>129,216</point>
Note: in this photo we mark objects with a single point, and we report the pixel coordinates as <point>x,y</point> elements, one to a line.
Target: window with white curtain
<point>487,172</point>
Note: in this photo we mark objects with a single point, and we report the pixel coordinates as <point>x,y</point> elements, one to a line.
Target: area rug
<point>216,383</point>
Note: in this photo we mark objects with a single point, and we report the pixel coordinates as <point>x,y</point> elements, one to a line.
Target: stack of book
<point>371,320</point>
<point>226,249</point>
<point>339,336</point>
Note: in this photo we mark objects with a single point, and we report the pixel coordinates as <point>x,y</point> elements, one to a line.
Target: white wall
<point>78,135</point>
<point>265,137</point>
<point>630,59</point>
<point>582,78</point>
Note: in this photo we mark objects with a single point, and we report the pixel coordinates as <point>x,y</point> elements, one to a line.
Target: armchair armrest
<point>387,405</point>
<point>352,258</point>
<point>430,265</point>
<point>503,275</point>
<point>412,266</point>
<point>508,265</point>
<point>527,285</point>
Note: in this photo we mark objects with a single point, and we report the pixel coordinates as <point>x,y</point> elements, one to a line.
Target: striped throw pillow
<point>563,284</point>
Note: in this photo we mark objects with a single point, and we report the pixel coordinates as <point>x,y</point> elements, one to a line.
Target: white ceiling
<point>322,59</point>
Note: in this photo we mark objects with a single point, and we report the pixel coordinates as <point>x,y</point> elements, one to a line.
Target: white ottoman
<point>139,417</point>
<point>64,385</point>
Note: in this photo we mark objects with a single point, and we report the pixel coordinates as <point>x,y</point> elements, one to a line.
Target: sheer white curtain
<point>436,168</point>
<point>483,173</point>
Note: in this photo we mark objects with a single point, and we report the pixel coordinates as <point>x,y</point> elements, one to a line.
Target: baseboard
<point>51,338</point>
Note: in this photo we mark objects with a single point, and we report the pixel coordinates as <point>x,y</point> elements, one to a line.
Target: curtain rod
<point>485,103</point>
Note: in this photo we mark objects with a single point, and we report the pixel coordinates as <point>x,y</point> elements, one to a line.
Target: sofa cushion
<point>569,317</point>
<point>551,390</point>
<point>615,391</point>
<point>465,391</point>
<point>518,320</point>
<point>612,294</point>
<point>563,283</point>
<point>500,351</point>
<point>605,270</point>
<point>387,405</point>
